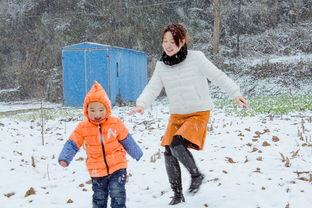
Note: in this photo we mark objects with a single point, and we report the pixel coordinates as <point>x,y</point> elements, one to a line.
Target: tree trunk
<point>273,7</point>
<point>238,27</point>
<point>216,25</point>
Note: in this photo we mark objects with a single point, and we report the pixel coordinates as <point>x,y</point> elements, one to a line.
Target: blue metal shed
<point>122,72</point>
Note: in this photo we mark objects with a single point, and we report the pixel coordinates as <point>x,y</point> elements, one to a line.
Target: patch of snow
<point>276,59</point>
<point>239,168</point>
<point>24,105</point>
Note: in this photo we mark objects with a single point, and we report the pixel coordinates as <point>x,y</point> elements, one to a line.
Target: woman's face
<point>169,45</point>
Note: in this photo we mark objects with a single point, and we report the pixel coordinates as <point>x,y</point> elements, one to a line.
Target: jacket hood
<point>97,94</point>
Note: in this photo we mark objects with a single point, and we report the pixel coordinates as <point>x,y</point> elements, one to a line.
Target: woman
<point>184,73</point>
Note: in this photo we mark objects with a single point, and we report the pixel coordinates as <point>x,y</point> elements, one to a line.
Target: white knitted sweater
<point>186,84</point>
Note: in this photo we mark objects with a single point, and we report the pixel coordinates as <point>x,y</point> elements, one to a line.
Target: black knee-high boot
<point>174,176</point>
<point>180,152</point>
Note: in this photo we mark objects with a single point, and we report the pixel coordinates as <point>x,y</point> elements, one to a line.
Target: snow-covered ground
<point>250,162</point>
<point>25,105</point>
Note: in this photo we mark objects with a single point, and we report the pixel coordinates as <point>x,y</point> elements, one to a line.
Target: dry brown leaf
<point>258,133</point>
<point>295,154</point>
<point>255,149</point>
<point>302,172</point>
<point>266,144</point>
<point>80,159</point>
<point>240,134</point>
<point>20,153</point>
<point>31,191</point>
<point>213,180</point>
<point>303,179</point>
<point>9,194</point>
<point>230,160</point>
<point>69,201</point>
<point>33,161</point>
<point>275,139</point>
<point>259,158</point>
<point>287,164</point>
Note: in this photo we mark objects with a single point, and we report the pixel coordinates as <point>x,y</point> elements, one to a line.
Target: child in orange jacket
<point>107,141</point>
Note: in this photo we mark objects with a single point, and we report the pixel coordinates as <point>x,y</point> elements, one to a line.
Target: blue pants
<point>112,185</point>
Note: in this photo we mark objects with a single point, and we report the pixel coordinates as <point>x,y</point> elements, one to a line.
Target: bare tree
<point>273,7</point>
<point>42,122</point>
<point>238,26</point>
<point>216,25</point>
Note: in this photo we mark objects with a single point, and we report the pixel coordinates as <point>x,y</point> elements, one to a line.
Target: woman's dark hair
<point>178,31</point>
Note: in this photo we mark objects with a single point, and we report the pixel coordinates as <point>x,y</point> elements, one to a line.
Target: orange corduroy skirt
<point>192,127</point>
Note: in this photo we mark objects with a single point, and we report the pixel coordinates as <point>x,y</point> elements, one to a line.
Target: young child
<point>106,140</point>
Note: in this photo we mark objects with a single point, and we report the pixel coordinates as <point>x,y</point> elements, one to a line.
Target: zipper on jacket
<point>103,148</point>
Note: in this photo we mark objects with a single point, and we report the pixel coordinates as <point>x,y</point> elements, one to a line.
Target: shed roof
<point>91,45</point>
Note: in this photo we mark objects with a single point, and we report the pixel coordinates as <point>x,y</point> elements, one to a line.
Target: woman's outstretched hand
<point>241,101</point>
<point>138,109</point>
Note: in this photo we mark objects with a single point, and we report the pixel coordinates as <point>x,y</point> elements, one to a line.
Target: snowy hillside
<point>249,162</point>
<point>272,75</point>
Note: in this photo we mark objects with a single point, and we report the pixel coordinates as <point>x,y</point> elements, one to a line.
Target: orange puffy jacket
<point>105,157</point>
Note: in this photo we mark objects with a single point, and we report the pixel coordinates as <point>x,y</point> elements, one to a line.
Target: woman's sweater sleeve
<point>151,90</point>
<point>217,77</point>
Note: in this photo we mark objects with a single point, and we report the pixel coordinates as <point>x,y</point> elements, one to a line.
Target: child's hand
<point>63,163</point>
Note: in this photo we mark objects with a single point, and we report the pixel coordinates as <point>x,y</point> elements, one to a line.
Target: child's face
<point>96,111</point>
